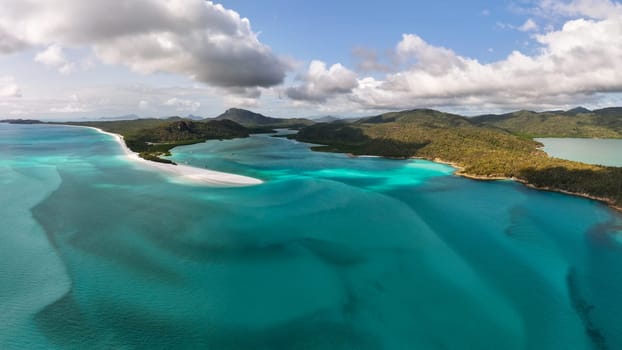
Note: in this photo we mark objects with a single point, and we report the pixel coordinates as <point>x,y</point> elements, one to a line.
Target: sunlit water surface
<point>331,252</point>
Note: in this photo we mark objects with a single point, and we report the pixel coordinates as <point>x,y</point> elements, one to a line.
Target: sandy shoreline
<point>183,173</point>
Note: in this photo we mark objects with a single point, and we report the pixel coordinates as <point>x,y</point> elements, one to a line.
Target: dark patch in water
<point>121,325</point>
<point>131,257</point>
<point>601,235</point>
<point>517,215</point>
<point>64,324</point>
<point>334,253</point>
<point>584,310</point>
<point>363,182</point>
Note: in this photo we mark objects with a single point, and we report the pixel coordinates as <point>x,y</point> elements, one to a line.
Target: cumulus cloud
<point>183,105</point>
<point>97,101</point>
<point>74,104</point>
<point>576,64</point>
<point>597,9</point>
<point>9,42</point>
<point>433,59</point>
<point>69,108</point>
<point>529,26</point>
<point>143,105</point>
<point>8,87</point>
<point>55,57</point>
<point>196,38</point>
<point>320,83</point>
<point>582,58</point>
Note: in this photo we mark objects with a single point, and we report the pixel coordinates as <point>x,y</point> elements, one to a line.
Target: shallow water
<point>331,252</point>
<point>591,151</point>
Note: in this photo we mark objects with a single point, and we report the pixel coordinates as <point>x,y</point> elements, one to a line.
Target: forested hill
<point>481,150</point>
<point>152,138</point>
<point>577,122</point>
<point>254,120</point>
<point>424,133</point>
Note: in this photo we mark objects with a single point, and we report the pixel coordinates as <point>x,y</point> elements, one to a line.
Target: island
<point>21,121</point>
<point>490,147</point>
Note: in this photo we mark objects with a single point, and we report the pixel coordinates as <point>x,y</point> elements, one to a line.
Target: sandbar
<point>184,173</point>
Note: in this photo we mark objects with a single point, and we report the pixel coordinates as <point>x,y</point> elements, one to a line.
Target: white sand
<point>185,173</point>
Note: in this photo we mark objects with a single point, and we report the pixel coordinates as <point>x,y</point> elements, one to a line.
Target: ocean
<point>330,252</point>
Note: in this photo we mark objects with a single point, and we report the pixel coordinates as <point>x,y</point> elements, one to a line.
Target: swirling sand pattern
<point>331,252</point>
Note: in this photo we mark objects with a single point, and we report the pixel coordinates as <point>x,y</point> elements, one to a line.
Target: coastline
<point>460,172</point>
<point>182,173</point>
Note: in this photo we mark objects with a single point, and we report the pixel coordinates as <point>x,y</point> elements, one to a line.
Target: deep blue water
<point>331,252</point>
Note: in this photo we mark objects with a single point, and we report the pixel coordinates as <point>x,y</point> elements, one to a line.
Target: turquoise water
<point>591,151</point>
<point>331,252</point>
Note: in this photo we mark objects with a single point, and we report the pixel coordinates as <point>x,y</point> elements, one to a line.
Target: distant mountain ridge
<point>194,117</point>
<point>243,116</point>
<point>576,122</point>
<point>252,119</point>
<point>326,119</point>
<point>122,117</point>
<point>578,110</point>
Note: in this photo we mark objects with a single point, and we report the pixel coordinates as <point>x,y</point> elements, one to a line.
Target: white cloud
<point>529,26</point>
<point>17,112</point>
<point>68,108</point>
<point>54,56</point>
<point>582,59</point>
<point>320,83</point>
<point>597,9</point>
<point>195,38</point>
<point>73,104</point>
<point>143,105</point>
<point>579,63</point>
<point>9,42</point>
<point>241,97</point>
<point>433,59</point>
<point>106,101</point>
<point>183,105</point>
<point>241,101</point>
<point>8,87</point>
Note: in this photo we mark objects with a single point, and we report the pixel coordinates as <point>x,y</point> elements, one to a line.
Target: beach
<point>183,173</point>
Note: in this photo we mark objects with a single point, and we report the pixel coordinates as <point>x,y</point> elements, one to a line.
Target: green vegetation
<point>153,138</point>
<point>480,150</point>
<point>21,121</point>
<point>259,122</point>
<point>578,122</point>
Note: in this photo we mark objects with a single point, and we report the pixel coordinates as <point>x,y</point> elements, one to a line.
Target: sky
<point>98,59</point>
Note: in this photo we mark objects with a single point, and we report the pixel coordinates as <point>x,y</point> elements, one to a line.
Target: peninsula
<point>153,138</point>
<point>489,147</point>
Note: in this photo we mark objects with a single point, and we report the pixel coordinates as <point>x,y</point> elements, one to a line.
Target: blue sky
<point>70,59</point>
<point>329,30</point>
